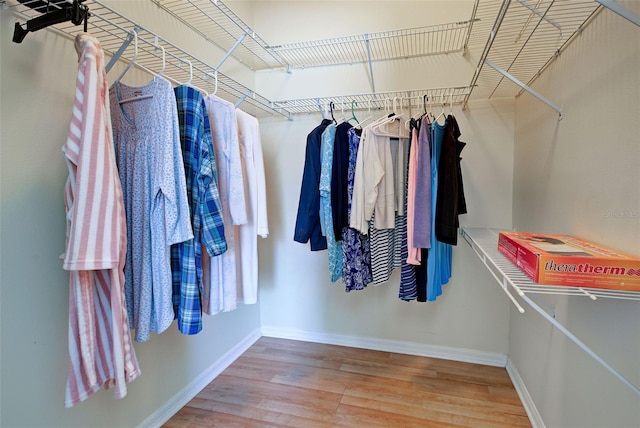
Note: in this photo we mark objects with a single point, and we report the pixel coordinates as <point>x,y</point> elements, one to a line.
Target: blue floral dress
<point>356,252</point>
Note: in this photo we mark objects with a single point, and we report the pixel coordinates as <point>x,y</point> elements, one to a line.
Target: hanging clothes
<point>408,280</point>
<point>326,218</point>
<point>205,207</point>
<point>413,252</point>
<point>149,157</point>
<point>100,347</point>
<point>307,227</point>
<point>374,186</point>
<point>422,224</point>
<point>356,252</point>
<point>339,180</point>
<point>221,279</point>
<point>439,259</point>
<point>387,243</point>
<point>256,200</point>
<point>451,201</point>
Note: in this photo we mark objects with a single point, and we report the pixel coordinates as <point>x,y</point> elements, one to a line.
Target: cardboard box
<point>566,260</point>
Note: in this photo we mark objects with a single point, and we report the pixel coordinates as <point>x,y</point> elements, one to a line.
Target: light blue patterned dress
<point>149,157</point>
<point>326,217</point>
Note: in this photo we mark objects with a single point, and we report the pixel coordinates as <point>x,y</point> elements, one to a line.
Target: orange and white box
<point>566,260</point>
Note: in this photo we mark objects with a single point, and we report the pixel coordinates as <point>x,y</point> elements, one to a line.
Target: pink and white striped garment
<point>100,347</point>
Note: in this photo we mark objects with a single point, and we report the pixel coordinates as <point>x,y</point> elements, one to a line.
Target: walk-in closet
<point>545,98</point>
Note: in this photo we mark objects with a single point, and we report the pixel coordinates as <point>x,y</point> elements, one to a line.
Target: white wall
<point>37,87</point>
<point>582,176</point>
<point>296,294</point>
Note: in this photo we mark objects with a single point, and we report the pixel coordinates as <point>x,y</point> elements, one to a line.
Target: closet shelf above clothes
<point>220,25</point>
<point>413,100</point>
<point>484,243</point>
<point>115,33</point>
<point>379,46</point>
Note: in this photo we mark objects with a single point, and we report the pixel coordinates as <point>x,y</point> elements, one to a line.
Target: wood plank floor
<point>286,383</point>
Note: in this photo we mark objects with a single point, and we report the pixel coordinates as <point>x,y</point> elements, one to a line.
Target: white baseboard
<point>523,393</point>
<point>171,407</point>
<point>410,348</point>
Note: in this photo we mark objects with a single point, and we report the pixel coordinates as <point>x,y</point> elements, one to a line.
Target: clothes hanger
<point>367,118</point>
<point>391,126</point>
<point>443,104</point>
<point>215,82</point>
<point>324,109</point>
<point>133,34</point>
<point>353,113</point>
<point>424,107</point>
<point>164,58</point>
<point>188,82</point>
<point>322,113</point>
<point>128,67</point>
<point>379,127</point>
<point>430,104</point>
<point>383,118</point>
<point>331,106</point>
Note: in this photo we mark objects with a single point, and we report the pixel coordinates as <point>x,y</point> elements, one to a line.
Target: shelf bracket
<point>233,48</point>
<point>581,345</point>
<point>373,83</point>
<point>621,10</point>
<point>244,97</point>
<point>116,56</point>
<point>525,87</point>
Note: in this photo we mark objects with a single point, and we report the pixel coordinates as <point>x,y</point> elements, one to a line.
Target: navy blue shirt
<point>339,179</point>
<point>308,219</point>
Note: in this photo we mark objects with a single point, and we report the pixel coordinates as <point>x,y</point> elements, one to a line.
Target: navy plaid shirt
<point>206,210</point>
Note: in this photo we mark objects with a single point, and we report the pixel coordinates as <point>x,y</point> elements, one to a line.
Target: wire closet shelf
<point>412,101</point>
<point>525,38</point>
<point>115,33</point>
<point>485,243</point>
<point>220,25</point>
<point>374,47</point>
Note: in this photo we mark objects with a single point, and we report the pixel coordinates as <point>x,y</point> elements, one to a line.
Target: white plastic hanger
<point>133,60</point>
<point>164,59</point>
<point>392,125</point>
<point>188,82</point>
<point>343,118</point>
<point>129,66</point>
<point>443,113</point>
